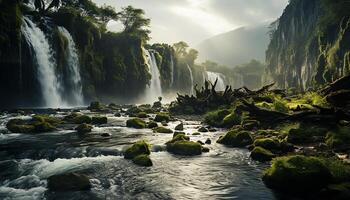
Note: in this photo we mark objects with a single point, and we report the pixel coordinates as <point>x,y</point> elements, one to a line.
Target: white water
<point>212,76</point>
<point>43,56</point>
<point>74,72</point>
<point>171,71</point>
<point>154,90</point>
<point>191,76</point>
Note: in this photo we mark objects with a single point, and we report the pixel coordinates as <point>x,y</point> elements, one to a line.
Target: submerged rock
<point>84,128</point>
<point>136,123</point>
<point>69,182</point>
<point>203,130</point>
<point>236,138</point>
<point>152,124</point>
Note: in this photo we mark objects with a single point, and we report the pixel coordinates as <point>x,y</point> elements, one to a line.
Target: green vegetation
<point>338,138</point>
<point>138,148</point>
<point>162,117</point>
<point>84,128</point>
<point>136,123</point>
<point>185,148</point>
<point>215,118</point>
<point>38,124</point>
<point>162,130</point>
<point>77,118</point>
<point>261,154</point>
<point>236,138</point>
<point>99,120</point>
<point>143,160</point>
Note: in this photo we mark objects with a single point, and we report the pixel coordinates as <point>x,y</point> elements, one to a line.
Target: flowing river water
<point>27,160</point>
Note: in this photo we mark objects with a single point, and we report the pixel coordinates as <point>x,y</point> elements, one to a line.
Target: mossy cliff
<point>310,44</point>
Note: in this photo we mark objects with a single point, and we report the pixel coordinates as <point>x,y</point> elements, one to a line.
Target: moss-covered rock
<point>99,120</point>
<point>261,154</point>
<point>76,118</point>
<point>203,130</point>
<point>307,134</point>
<point>178,137</point>
<point>236,138</point>
<point>162,117</point>
<point>179,127</point>
<point>196,133</point>
<point>162,130</point>
<point>338,138</point>
<point>38,124</point>
<point>143,160</point>
<point>84,128</point>
<point>136,123</point>
<point>139,148</point>
<point>215,118</point>
<point>19,126</point>
<point>134,111</point>
<point>69,182</point>
<point>142,115</point>
<point>96,106</point>
<point>152,124</point>
<point>231,120</point>
<point>297,174</point>
<point>185,148</point>
<point>268,143</point>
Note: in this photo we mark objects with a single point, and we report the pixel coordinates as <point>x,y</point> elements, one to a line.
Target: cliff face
<point>309,44</point>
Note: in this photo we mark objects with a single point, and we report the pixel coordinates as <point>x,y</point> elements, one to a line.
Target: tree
<point>41,5</point>
<point>192,55</point>
<point>135,22</point>
<point>181,48</point>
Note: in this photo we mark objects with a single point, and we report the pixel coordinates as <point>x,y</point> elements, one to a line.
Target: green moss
<point>215,118</point>
<point>306,133</point>
<point>95,106</point>
<point>179,137</point>
<point>77,118</point>
<point>196,133</point>
<point>236,138</point>
<point>83,128</point>
<point>136,123</point>
<point>160,117</point>
<point>297,174</point>
<point>338,138</point>
<point>261,154</point>
<point>162,130</point>
<point>38,124</point>
<point>142,115</point>
<point>268,143</point>
<point>231,120</point>
<point>152,124</point>
<point>143,160</point>
<point>19,126</point>
<point>99,120</point>
<point>265,105</point>
<point>185,148</point>
<point>139,148</point>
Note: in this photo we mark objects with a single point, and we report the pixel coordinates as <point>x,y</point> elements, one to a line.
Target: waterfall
<point>171,71</point>
<point>154,90</point>
<point>44,59</point>
<point>212,76</point>
<point>74,80</point>
<point>191,76</point>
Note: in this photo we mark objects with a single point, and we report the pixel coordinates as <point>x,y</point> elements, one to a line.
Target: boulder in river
<point>136,123</point>
<point>143,160</point>
<point>99,120</point>
<point>84,128</point>
<point>161,117</point>
<point>261,154</point>
<point>162,130</point>
<point>69,182</point>
<point>139,148</point>
<point>77,118</point>
<point>179,127</point>
<point>236,138</point>
<point>203,130</point>
<point>181,145</point>
<point>35,125</point>
<point>152,124</point>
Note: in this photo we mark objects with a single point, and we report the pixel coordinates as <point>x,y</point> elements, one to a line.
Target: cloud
<point>195,20</point>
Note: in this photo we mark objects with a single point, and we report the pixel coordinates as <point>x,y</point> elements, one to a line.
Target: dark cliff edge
<point>310,44</point>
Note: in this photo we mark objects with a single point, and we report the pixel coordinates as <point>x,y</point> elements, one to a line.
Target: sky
<point>193,21</point>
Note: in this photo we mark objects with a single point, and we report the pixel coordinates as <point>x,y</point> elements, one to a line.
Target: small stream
<point>26,161</point>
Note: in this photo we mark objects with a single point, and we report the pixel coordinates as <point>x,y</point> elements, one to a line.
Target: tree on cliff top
<point>135,22</point>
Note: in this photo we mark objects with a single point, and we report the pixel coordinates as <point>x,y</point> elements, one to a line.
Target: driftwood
<point>340,84</point>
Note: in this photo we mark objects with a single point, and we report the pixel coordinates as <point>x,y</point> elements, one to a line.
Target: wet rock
<point>152,124</point>
<point>205,149</point>
<point>200,142</point>
<point>164,124</point>
<point>142,115</point>
<point>84,128</point>
<point>69,182</point>
<point>106,135</point>
<point>161,117</point>
<point>139,148</point>
<point>236,138</point>
<point>185,148</point>
<point>261,154</point>
<point>208,141</point>
<point>196,133</point>
<point>162,130</point>
<point>212,129</point>
<point>76,118</point>
<point>99,120</point>
<point>118,114</point>
<point>250,124</point>
<point>8,169</point>
<point>142,160</point>
<point>36,125</point>
<point>178,133</point>
<point>136,123</point>
<point>180,127</point>
<point>96,106</point>
<point>297,174</point>
<point>203,130</point>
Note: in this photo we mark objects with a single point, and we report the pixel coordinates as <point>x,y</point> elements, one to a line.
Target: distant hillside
<point>236,47</point>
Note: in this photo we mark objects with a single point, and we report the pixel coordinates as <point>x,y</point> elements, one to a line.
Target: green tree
<point>135,22</point>
<point>180,48</point>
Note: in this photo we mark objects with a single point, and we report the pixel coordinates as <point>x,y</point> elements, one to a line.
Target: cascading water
<point>212,76</point>
<point>154,90</point>
<point>44,59</point>
<point>74,80</point>
<point>172,71</point>
<point>191,77</point>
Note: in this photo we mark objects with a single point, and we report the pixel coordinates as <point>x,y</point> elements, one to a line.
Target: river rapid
<point>27,160</point>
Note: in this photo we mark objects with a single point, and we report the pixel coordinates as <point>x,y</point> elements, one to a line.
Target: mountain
<point>236,47</point>
<point>310,44</point>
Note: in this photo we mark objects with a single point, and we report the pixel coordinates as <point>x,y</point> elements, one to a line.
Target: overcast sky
<point>195,20</point>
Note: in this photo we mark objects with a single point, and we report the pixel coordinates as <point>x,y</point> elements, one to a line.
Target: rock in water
<point>84,128</point>
<point>69,182</point>
<point>179,127</point>
<point>143,160</point>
